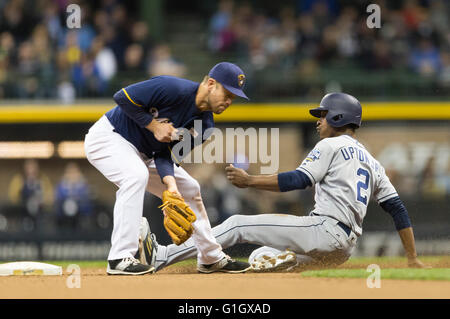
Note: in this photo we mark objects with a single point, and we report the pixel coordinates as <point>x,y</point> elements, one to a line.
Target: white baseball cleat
<point>285,260</point>
<point>148,245</point>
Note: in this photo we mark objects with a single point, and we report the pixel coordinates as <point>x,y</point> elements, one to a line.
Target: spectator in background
<point>379,57</point>
<point>439,16</point>
<point>430,184</point>
<point>51,20</point>
<point>27,69</point>
<point>323,12</point>
<point>413,14</point>
<point>15,19</point>
<point>73,199</point>
<point>348,45</point>
<point>101,21</point>
<point>7,48</point>
<point>85,34</point>
<point>444,76</point>
<point>71,49</point>
<point>163,63</point>
<point>135,65</point>
<point>118,33</point>
<point>134,58</point>
<point>308,36</point>
<point>140,35</point>
<point>327,50</point>
<point>46,72</point>
<point>32,190</point>
<point>65,88</point>
<point>7,45</point>
<point>425,59</point>
<point>280,40</point>
<point>104,59</point>
<point>87,77</point>
<point>219,25</point>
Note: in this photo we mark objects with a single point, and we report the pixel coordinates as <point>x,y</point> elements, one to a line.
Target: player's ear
<point>205,79</point>
<point>211,83</point>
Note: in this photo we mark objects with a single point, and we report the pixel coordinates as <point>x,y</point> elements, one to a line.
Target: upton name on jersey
<point>346,177</point>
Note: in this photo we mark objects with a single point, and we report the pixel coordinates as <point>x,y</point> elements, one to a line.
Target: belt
<point>347,229</point>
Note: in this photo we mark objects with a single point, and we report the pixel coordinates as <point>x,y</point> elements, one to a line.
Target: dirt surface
<point>184,282</point>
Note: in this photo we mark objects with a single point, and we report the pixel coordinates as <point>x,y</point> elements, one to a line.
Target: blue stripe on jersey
<point>380,199</point>
<point>256,225</point>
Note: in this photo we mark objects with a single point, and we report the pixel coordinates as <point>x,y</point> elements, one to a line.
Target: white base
<point>29,268</point>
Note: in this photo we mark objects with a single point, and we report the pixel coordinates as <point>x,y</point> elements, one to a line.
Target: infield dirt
<point>185,283</point>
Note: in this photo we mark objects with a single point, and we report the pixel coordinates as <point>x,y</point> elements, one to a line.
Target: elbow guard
<point>292,180</point>
<point>397,210</point>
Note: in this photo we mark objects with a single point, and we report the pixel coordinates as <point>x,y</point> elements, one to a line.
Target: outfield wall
<point>286,112</point>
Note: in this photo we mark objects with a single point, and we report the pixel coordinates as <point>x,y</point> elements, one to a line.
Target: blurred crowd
<point>70,203</point>
<point>35,203</point>
<point>40,57</point>
<point>318,35</point>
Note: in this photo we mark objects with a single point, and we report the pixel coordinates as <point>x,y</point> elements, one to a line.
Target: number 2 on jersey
<point>365,185</point>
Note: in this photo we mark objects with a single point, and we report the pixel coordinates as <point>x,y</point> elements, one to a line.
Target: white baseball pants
<point>121,163</point>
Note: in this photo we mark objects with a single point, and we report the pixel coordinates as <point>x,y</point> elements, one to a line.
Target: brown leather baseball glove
<point>178,217</point>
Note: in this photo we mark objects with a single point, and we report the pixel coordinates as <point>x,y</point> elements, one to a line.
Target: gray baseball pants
<point>315,239</point>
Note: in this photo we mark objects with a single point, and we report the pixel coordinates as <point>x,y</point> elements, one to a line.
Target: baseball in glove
<point>178,217</point>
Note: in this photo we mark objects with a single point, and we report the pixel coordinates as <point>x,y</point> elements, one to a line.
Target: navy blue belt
<point>347,229</point>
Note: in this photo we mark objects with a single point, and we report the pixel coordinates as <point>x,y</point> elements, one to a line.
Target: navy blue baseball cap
<point>230,76</point>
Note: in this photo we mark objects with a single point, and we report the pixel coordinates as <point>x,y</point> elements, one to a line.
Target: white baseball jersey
<point>345,176</point>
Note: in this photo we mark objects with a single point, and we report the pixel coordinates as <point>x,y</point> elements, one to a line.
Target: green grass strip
<point>387,259</point>
<point>406,274</point>
<point>81,263</point>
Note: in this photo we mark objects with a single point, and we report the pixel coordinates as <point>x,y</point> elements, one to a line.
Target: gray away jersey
<point>345,176</point>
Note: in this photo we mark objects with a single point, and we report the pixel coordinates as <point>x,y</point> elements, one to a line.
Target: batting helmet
<point>342,109</point>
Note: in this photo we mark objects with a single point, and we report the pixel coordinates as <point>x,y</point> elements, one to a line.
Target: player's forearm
<point>164,164</point>
<point>264,182</point>
<point>170,183</point>
<point>407,237</point>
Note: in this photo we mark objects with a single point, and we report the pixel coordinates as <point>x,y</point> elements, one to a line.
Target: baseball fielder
<point>131,146</point>
<point>345,176</point>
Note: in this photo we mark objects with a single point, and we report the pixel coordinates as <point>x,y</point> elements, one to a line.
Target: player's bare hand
<point>416,263</point>
<point>163,132</point>
<point>175,192</point>
<point>171,185</point>
<point>237,176</point>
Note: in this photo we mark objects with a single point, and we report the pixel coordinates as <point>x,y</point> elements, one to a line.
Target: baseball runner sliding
<point>345,176</point>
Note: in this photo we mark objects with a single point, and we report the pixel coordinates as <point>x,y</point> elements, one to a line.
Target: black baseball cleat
<point>226,264</point>
<point>127,266</point>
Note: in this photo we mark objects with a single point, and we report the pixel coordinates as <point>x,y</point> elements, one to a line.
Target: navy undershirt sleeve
<point>136,112</point>
<point>164,164</point>
<point>289,181</point>
<point>395,207</point>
